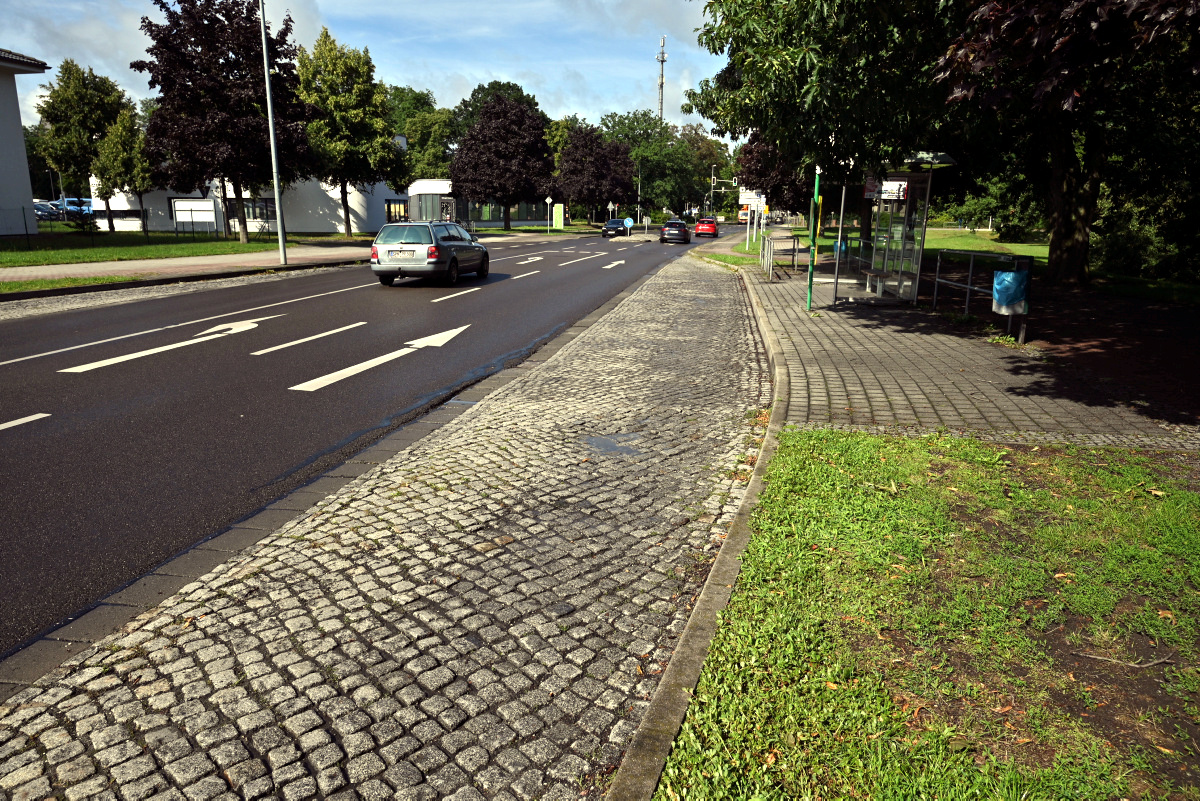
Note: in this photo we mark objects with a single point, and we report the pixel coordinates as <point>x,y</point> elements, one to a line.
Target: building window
<point>396,210</point>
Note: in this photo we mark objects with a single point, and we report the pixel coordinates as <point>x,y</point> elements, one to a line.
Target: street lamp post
<point>262,17</point>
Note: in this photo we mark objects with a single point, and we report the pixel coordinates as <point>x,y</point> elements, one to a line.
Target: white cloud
<point>585,57</point>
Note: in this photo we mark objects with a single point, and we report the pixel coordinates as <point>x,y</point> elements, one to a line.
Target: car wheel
<point>482,272</point>
<point>452,274</point>
<point>386,280</point>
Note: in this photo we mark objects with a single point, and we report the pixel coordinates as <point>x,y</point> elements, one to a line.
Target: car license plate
<point>402,254</point>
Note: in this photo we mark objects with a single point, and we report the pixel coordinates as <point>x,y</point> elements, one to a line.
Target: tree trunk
<point>108,212</point>
<point>507,217</point>
<point>225,208</point>
<point>1071,205</point>
<point>142,216</point>
<point>346,209</point>
<point>243,235</point>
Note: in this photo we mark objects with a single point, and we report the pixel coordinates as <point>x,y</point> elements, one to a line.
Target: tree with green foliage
<point>121,164</point>
<point>847,84</point>
<point>430,134</point>
<point>206,60</point>
<point>350,134</point>
<point>77,111</point>
<point>504,156</point>
<point>558,134</point>
<point>41,174</point>
<point>669,175</point>
<point>1075,76</point>
<point>592,171</point>
<point>406,103</point>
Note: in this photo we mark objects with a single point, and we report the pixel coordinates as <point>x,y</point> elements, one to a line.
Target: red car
<point>706,227</point>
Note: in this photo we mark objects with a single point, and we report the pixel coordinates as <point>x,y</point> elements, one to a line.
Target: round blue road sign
<point>628,222</point>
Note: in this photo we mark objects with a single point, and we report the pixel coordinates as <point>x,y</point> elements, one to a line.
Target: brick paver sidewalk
<point>894,369</point>
<point>487,614</point>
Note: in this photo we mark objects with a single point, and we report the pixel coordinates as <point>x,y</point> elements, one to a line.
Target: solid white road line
<point>522,275</point>
<point>307,339</point>
<point>585,258</point>
<point>456,294</point>
<point>28,419</point>
<point>217,332</point>
<point>435,341</point>
<point>179,325</point>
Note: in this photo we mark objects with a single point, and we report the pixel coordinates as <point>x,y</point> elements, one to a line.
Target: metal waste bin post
<point>1010,293</point>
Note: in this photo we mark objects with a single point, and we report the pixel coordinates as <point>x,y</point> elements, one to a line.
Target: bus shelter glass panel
<point>900,218</point>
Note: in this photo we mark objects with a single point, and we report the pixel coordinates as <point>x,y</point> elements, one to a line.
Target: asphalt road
<point>129,433</point>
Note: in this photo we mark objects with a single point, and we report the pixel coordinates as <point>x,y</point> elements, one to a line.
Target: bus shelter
<point>891,259</point>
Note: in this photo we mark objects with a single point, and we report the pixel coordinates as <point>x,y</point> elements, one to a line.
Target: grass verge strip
<point>940,617</point>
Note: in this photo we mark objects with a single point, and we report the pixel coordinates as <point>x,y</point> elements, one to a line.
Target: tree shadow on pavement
<point>1094,347</point>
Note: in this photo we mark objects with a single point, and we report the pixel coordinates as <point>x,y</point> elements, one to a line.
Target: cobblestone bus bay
<point>485,616</point>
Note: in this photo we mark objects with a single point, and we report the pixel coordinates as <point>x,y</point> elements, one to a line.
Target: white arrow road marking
<point>306,339</point>
<point>216,332</point>
<point>29,419</point>
<point>455,295</point>
<point>190,322</point>
<point>436,341</point>
<point>531,260</point>
<point>502,258</point>
<point>610,266</point>
<point>522,275</point>
<point>585,258</point>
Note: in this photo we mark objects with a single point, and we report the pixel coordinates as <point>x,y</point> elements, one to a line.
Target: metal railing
<point>1009,262</point>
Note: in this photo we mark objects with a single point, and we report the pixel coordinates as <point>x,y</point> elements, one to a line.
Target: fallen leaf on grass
<point>1157,493</point>
<point>831,685</point>
<point>1168,614</point>
<point>1024,740</point>
<point>1002,709</point>
<point>1164,750</point>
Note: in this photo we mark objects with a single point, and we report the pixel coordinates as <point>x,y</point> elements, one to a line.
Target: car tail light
<point>374,253</point>
<point>432,253</point>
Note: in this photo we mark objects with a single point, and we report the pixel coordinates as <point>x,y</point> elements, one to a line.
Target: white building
<point>309,207</point>
<point>16,194</point>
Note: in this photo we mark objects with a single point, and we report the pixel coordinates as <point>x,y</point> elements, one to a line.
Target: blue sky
<point>582,57</point>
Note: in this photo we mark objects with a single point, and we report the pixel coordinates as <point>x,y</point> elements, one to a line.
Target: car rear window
<point>674,225</point>
<point>405,235</point>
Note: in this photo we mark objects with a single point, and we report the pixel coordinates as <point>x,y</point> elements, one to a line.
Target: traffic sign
<point>628,222</point>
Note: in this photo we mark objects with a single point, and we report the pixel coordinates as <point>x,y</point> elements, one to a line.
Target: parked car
<point>427,249</point>
<point>675,231</point>
<point>46,211</point>
<point>73,208</point>
<point>707,226</point>
<point>614,228</point>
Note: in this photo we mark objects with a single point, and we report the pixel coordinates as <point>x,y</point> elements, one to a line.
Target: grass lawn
<point>944,618</point>
<point>75,248</point>
<point>58,283</point>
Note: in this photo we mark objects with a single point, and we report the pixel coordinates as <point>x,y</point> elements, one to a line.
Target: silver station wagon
<point>427,250</point>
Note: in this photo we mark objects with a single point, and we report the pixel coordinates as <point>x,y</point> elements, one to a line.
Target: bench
<point>882,277</point>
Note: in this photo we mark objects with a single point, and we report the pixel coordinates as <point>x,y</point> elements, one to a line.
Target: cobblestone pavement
<point>484,616</point>
<point>893,369</point>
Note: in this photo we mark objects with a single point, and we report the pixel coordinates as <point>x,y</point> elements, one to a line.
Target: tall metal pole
<point>262,18</point>
<point>662,61</point>
<point>812,236</point>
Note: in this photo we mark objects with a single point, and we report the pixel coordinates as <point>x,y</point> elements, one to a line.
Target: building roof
<point>16,62</point>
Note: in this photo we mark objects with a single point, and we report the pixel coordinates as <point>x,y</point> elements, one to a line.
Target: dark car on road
<point>428,250</point>
<point>614,228</point>
<point>675,231</point>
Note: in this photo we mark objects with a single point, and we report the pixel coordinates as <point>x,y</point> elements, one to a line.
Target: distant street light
<point>262,18</point>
